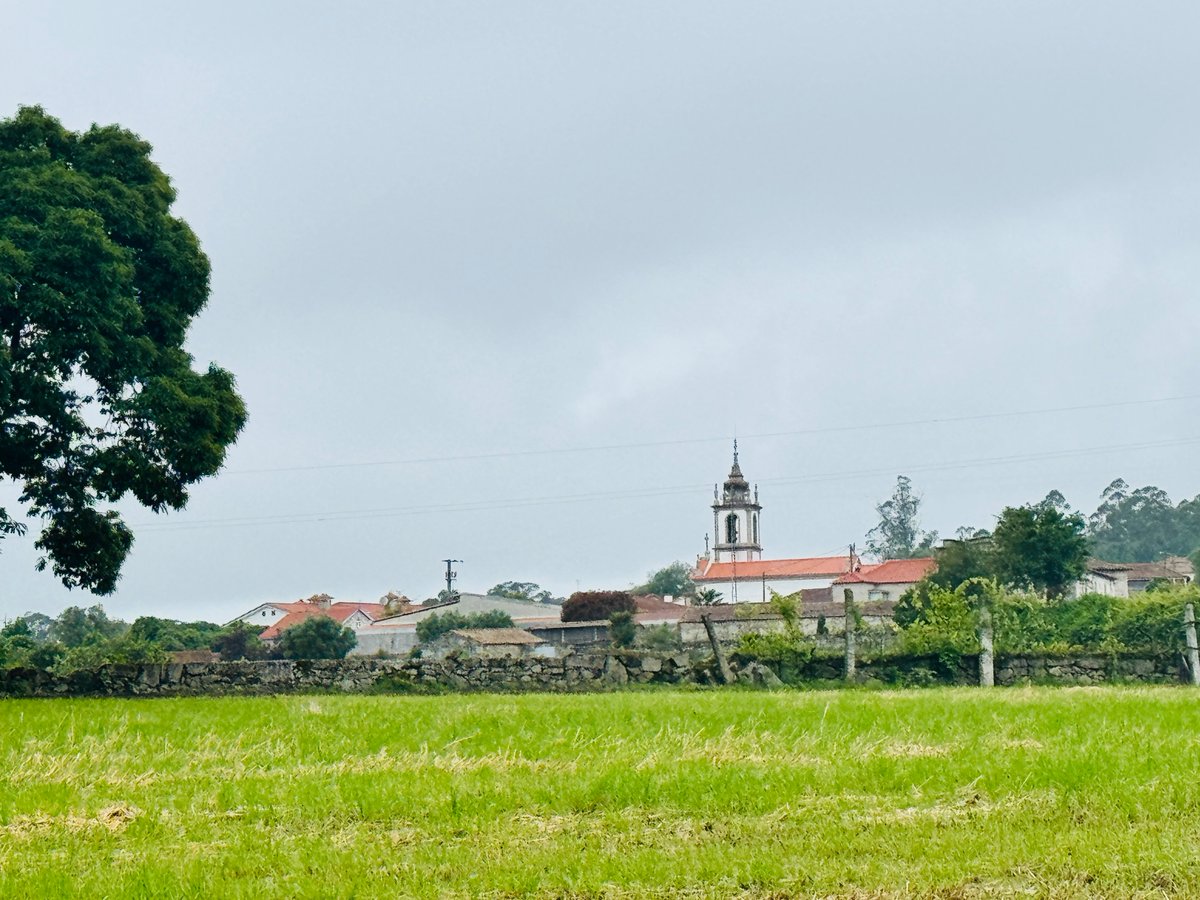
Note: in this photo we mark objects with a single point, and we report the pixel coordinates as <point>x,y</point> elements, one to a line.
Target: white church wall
<point>751,590</point>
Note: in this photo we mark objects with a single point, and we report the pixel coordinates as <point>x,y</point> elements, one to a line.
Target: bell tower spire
<point>735,518</point>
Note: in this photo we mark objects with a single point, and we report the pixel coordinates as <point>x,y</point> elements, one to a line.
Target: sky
<point>500,282</point>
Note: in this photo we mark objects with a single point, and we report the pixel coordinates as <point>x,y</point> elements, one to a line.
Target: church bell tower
<point>735,518</point>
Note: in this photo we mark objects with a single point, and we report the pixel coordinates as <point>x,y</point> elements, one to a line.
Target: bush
<point>622,629</point>
<point>787,652</point>
<point>592,606</point>
<point>317,637</point>
<point>435,626</point>
<point>239,641</point>
<point>661,638</point>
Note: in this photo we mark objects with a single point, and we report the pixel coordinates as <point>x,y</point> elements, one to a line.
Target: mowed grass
<point>1053,792</point>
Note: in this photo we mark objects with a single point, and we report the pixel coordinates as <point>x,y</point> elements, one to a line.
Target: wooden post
<point>722,664</point>
<point>1193,649</point>
<point>849,628</point>
<point>987,658</point>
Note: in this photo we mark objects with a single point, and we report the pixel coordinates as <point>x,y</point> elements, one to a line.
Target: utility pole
<point>450,574</point>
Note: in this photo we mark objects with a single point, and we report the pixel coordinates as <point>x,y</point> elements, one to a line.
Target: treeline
<point>1130,524</point>
<point>81,639</point>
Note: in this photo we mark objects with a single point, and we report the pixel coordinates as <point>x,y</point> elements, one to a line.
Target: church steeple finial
<point>735,461</point>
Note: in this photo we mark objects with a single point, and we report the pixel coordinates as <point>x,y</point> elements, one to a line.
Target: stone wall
<point>583,671</point>
<point>603,670</point>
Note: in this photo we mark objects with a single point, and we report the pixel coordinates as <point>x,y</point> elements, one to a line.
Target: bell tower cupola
<point>735,518</point>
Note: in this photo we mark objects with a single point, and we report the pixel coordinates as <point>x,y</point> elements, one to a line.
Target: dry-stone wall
<point>576,672</point>
<point>357,674</point>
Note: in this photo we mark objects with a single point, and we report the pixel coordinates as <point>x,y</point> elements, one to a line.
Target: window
<point>754,526</point>
<point>877,595</point>
<point>731,529</point>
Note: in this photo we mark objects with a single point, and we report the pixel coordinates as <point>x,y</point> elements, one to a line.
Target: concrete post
<point>850,626</point>
<point>1193,649</point>
<point>987,657</point>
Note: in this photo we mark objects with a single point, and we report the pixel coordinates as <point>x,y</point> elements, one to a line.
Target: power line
<point>516,502</point>
<point>600,448</point>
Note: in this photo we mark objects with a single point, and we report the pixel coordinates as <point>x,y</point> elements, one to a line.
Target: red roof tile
<point>810,567</point>
<point>891,571</point>
<point>339,612</point>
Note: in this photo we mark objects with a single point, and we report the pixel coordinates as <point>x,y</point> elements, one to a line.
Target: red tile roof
<point>891,571</point>
<point>810,567</point>
<point>302,610</point>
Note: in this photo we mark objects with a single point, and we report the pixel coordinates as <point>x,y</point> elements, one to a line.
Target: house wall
<point>862,592</point>
<point>1117,585</point>
<point>751,590</point>
<point>730,630</point>
<point>391,640</point>
<point>262,615</point>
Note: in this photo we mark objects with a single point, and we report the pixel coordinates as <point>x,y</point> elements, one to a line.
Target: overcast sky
<point>500,281</point>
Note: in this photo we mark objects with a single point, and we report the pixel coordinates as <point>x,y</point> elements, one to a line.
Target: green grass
<point>1068,792</point>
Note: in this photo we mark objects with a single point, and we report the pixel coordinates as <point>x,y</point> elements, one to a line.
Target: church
<point>733,563</point>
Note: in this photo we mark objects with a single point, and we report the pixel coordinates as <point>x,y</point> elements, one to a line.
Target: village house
<point>279,617</point>
<point>396,635</point>
<point>1121,579</point>
<point>887,580</point>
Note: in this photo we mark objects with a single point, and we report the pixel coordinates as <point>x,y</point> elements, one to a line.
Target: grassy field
<point>949,793</point>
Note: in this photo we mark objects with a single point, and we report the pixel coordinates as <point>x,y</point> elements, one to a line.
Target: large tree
<point>674,580</point>
<point>1141,524</point>
<point>898,534</point>
<point>1039,547</point>
<point>98,399</point>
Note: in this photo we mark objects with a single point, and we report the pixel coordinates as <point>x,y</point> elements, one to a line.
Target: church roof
<point>807,567</point>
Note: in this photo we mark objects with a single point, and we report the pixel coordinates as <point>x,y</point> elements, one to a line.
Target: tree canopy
<point>898,534</point>
<point>317,637</point>
<point>674,580</point>
<point>98,399</point>
<point>523,590</point>
<point>1142,524</point>
<point>588,606</point>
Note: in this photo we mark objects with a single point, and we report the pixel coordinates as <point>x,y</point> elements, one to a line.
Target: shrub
<point>239,641</point>
<point>317,637</point>
<point>590,606</point>
<point>662,638</point>
<point>622,628</point>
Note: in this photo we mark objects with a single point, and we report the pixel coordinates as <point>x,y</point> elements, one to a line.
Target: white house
<point>887,580</point>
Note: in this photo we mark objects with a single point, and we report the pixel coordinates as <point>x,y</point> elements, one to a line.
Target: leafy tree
<point>622,629</point>
<point>707,597</point>
<point>962,559</point>
<point>1039,547</point>
<point>1141,525</point>
<point>98,398</point>
<point>76,627</point>
<point>317,637</point>
<point>674,580</point>
<point>438,624</point>
<point>170,634</point>
<point>239,641</point>
<point>523,590</point>
<point>898,534</point>
<point>591,606</point>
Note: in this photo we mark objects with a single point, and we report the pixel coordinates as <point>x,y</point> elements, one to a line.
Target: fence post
<point>849,628</point>
<point>987,656</point>
<point>1193,649</point>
